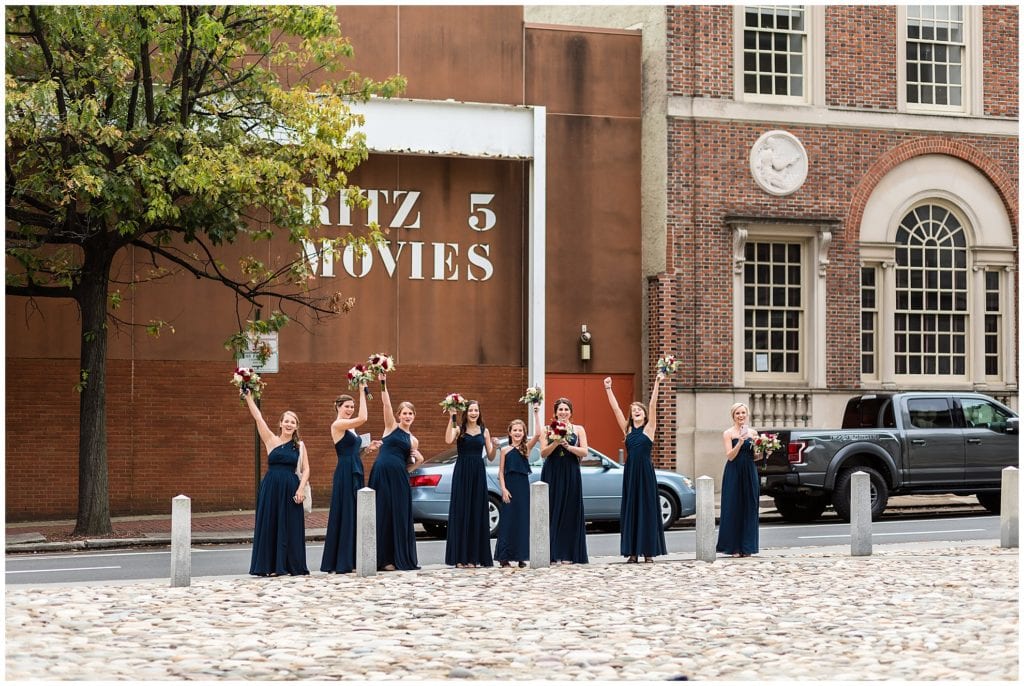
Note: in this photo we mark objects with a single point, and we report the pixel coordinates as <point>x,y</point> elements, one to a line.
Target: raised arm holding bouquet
<point>640,511</point>
<point>469,529</point>
<point>279,535</point>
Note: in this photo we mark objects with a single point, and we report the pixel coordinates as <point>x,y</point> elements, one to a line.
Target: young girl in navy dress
<point>279,535</point>
<point>640,512</point>
<point>469,526</point>
<point>514,481</point>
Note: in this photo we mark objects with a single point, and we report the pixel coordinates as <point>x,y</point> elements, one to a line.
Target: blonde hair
<point>404,404</point>
<point>736,406</point>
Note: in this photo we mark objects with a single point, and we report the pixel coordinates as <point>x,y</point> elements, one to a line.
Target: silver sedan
<point>602,490</point>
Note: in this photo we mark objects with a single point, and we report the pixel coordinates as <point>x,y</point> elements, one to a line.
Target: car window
<point>930,413</point>
<point>980,414</point>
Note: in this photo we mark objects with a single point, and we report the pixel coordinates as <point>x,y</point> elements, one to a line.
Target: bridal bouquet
<point>533,395</point>
<point>359,374</point>
<point>668,364</point>
<point>558,431</point>
<point>246,379</point>
<point>381,364</point>
<point>766,444</point>
<point>453,402</point>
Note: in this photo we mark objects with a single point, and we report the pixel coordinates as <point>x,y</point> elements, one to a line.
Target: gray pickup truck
<point>908,443</point>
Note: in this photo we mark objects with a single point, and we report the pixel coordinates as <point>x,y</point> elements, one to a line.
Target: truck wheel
<point>841,494</point>
<point>800,508</point>
<point>991,500</point>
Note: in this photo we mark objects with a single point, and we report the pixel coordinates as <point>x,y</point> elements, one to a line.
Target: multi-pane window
<point>993,323</point>
<point>868,320</point>
<point>931,293</point>
<point>772,307</point>
<point>935,55</point>
<point>775,50</point>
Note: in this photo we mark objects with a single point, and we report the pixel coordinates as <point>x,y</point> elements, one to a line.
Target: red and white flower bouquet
<point>766,444</point>
<point>380,363</point>
<point>454,402</point>
<point>359,374</point>
<point>246,379</point>
<point>558,431</point>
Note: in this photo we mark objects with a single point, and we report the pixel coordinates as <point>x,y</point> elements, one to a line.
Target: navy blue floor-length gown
<point>340,541</point>
<point>561,473</point>
<point>640,514</point>
<point>279,536</point>
<point>514,526</point>
<point>741,492</point>
<point>469,528</point>
<point>396,539</point>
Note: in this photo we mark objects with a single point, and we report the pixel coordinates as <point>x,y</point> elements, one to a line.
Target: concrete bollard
<point>860,514</point>
<point>366,532</point>
<point>705,523</point>
<point>540,526</point>
<point>1009,509</point>
<point>181,541</point>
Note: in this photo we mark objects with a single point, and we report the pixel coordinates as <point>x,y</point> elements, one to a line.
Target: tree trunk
<point>93,486</point>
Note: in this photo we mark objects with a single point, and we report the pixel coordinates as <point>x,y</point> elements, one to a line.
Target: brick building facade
<point>890,264</point>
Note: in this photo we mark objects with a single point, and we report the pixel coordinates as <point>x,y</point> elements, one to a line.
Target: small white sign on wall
<point>261,341</point>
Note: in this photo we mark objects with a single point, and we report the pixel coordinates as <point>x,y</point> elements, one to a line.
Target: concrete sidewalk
<point>237,526</point>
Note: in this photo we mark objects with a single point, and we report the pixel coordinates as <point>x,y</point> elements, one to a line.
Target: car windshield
<point>594,459</point>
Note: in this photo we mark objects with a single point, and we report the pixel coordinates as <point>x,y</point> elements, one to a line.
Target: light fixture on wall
<point>585,338</point>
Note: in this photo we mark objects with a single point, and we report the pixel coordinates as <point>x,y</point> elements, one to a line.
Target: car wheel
<point>668,507</point>
<point>841,494</point>
<point>436,529</point>
<point>991,500</point>
<point>493,513</point>
<point>800,508</point>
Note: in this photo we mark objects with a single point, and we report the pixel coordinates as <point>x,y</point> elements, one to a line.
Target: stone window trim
<point>814,61</point>
<point>972,74</point>
<point>815,233</point>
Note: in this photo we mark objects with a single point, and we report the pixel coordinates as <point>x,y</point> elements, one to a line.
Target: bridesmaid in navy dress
<point>741,488</point>
<point>561,472</point>
<point>340,543</point>
<point>640,512</point>
<point>389,477</point>
<point>279,536</point>
<point>514,480</point>
<point>469,527</point>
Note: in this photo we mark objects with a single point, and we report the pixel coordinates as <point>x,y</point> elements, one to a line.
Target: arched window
<point>931,293</point>
<point>938,272</point>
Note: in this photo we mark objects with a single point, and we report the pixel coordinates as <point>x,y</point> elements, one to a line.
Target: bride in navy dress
<point>389,477</point>
<point>640,512</point>
<point>561,472</point>
<point>340,542</point>
<point>514,481</point>
<point>741,488</point>
<point>469,527</point>
<point>279,536</point>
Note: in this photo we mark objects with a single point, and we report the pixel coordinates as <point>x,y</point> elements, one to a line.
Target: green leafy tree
<point>173,130</point>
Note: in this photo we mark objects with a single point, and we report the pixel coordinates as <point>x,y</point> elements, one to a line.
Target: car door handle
<point>974,440</point>
<point>917,441</point>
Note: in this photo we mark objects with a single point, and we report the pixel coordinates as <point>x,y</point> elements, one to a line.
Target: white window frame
<point>814,61</point>
<point>816,239</point>
<point>972,74</point>
<point>876,314</point>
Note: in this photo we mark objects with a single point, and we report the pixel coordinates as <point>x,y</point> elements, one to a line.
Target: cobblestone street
<point>925,614</point>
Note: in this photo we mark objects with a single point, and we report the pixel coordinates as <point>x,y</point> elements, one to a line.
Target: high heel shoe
<point>631,560</point>
<point>504,563</point>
